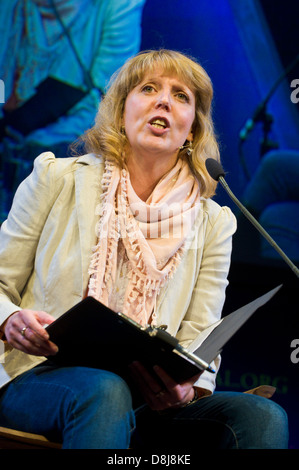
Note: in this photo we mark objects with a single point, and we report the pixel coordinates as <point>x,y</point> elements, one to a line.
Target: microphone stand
<point>261,115</point>
<point>266,144</point>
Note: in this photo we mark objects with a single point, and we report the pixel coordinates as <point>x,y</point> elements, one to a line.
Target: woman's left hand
<point>168,395</point>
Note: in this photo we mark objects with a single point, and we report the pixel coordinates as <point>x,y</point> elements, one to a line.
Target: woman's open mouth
<point>159,123</point>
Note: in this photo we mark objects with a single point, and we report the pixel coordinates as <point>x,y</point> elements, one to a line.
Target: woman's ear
<point>190,136</point>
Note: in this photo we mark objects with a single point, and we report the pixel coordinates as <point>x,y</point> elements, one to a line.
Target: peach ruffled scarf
<point>153,233</point>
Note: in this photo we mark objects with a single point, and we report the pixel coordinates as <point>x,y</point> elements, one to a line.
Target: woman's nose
<point>164,102</point>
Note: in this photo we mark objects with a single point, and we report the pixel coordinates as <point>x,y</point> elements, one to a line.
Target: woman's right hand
<point>24,331</point>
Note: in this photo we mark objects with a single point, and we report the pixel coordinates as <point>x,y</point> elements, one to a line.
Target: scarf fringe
<point>110,239</point>
<point>145,279</point>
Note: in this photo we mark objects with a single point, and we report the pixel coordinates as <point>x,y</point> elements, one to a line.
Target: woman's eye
<point>183,97</point>
<point>148,88</point>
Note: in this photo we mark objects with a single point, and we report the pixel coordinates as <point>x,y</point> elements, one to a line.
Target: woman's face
<point>159,113</point>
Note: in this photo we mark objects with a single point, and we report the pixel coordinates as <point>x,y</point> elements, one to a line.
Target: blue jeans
<point>81,407</point>
<point>224,420</point>
<point>89,408</point>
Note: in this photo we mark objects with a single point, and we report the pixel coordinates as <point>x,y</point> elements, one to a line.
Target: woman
<point>140,204</point>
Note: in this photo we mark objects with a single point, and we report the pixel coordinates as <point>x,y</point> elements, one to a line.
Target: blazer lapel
<point>88,191</point>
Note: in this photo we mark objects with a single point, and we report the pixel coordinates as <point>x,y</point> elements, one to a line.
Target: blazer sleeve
<point>19,235</point>
<point>208,295</point>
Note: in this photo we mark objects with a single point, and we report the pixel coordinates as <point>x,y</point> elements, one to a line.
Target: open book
<point>92,335</point>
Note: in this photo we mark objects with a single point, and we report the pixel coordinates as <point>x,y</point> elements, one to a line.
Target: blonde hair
<point>107,138</point>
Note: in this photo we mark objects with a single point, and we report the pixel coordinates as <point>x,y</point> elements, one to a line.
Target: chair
<point>13,439</point>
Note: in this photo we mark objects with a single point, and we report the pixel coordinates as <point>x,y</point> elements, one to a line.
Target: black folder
<point>92,335</point>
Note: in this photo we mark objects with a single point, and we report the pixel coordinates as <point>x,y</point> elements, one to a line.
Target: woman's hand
<point>169,395</point>
<point>24,331</point>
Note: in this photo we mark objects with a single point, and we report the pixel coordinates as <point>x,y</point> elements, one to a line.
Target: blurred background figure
<point>272,196</point>
<point>56,57</point>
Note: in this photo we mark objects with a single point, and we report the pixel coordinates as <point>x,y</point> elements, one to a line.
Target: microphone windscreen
<point>214,168</point>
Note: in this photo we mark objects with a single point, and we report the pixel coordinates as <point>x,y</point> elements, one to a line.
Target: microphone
<point>250,123</point>
<point>216,172</point>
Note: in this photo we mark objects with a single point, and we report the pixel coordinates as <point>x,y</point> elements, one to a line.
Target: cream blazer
<point>46,245</point>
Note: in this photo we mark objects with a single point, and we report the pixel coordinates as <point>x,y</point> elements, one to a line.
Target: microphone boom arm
<point>258,226</point>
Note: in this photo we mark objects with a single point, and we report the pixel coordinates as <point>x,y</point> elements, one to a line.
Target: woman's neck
<point>146,173</point>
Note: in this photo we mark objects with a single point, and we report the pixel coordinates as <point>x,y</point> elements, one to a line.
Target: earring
<point>123,130</point>
<point>188,147</point>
